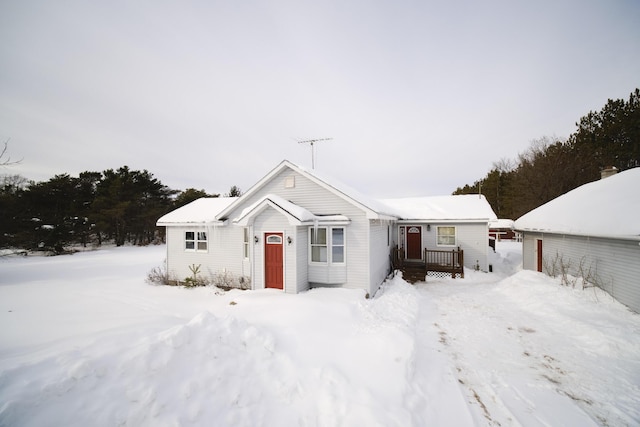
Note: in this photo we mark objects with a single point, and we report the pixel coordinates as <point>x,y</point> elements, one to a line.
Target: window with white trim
<point>337,245</point>
<point>327,245</point>
<point>245,244</point>
<point>274,239</point>
<point>318,242</point>
<point>195,241</point>
<point>446,236</point>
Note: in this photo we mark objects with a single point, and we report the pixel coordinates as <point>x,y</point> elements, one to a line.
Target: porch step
<point>413,274</point>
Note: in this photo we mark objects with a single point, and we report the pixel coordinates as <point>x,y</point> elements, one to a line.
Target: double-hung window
<point>195,241</point>
<point>245,245</point>
<point>337,245</point>
<point>327,245</point>
<point>318,240</point>
<point>446,236</point>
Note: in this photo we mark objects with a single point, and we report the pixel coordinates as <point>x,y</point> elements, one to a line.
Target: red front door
<point>414,242</point>
<point>273,261</point>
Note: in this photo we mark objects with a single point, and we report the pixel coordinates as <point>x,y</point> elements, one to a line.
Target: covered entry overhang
<point>279,255</point>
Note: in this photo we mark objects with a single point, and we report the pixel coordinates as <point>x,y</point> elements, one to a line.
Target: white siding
<point>268,221</point>
<point>302,281</point>
<point>320,201</point>
<point>529,250</point>
<point>380,251</point>
<point>305,193</point>
<point>224,252</point>
<point>615,264</point>
<point>473,238</point>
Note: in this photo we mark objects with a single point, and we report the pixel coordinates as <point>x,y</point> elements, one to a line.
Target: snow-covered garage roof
<point>609,207</point>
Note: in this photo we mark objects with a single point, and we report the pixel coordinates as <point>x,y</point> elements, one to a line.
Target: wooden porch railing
<point>445,261</point>
<point>434,260</point>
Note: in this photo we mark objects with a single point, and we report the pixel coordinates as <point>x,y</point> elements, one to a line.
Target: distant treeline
<point>116,206</point>
<point>554,166</point>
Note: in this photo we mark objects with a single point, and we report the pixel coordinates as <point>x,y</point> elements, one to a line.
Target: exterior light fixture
<point>289,240</point>
<point>255,239</point>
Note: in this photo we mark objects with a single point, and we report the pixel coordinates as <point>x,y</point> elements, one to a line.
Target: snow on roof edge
<point>604,208</point>
<point>199,211</point>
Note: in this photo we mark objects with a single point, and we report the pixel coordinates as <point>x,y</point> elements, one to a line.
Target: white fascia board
<point>247,217</point>
<point>383,217</point>
<point>444,221</point>
<point>192,224</point>
<point>323,221</point>
<point>255,187</point>
<point>565,233</point>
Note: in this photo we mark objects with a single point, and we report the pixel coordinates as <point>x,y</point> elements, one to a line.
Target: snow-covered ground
<point>85,341</point>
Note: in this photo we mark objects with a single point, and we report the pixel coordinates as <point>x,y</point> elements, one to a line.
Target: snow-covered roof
<point>501,223</point>
<point>200,211</point>
<point>609,207</point>
<point>296,214</point>
<point>442,208</point>
<point>373,208</point>
<point>471,207</point>
<point>371,203</point>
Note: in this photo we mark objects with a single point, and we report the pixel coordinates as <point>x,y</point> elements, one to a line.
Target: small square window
<point>446,236</point>
<point>195,241</point>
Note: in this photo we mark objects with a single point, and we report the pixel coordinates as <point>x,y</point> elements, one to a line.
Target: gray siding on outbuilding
<point>613,264</point>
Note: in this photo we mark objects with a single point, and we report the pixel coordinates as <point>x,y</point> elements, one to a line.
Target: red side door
<point>414,242</point>
<point>273,261</point>
<point>539,254</point>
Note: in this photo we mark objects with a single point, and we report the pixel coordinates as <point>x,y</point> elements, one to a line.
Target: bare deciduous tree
<point>5,160</point>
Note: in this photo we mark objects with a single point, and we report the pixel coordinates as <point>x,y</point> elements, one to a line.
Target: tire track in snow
<point>430,379</point>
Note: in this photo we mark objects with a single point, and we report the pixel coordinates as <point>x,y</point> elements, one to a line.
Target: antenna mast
<point>311,142</point>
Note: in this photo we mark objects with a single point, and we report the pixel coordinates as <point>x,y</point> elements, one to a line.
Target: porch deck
<point>438,261</point>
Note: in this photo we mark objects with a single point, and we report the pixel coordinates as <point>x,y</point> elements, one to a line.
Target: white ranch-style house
<point>294,230</point>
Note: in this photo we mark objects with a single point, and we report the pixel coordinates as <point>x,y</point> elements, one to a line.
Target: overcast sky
<point>420,97</point>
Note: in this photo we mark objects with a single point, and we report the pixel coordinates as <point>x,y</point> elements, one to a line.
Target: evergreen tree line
<point>115,206</point>
<point>551,167</point>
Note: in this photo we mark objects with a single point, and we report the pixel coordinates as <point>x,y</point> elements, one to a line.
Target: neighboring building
<point>294,230</point>
<point>502,229</point>
<point>592,231</point>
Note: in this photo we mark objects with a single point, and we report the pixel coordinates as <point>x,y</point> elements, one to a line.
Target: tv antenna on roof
<point>311,142</point>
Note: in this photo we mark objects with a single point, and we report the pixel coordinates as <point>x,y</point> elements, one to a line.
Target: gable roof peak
<point>372,208</point>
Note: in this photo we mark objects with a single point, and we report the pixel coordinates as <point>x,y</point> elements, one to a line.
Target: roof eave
<point>445,220</point>
<point>630,237</point>
<point>190,223</point>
